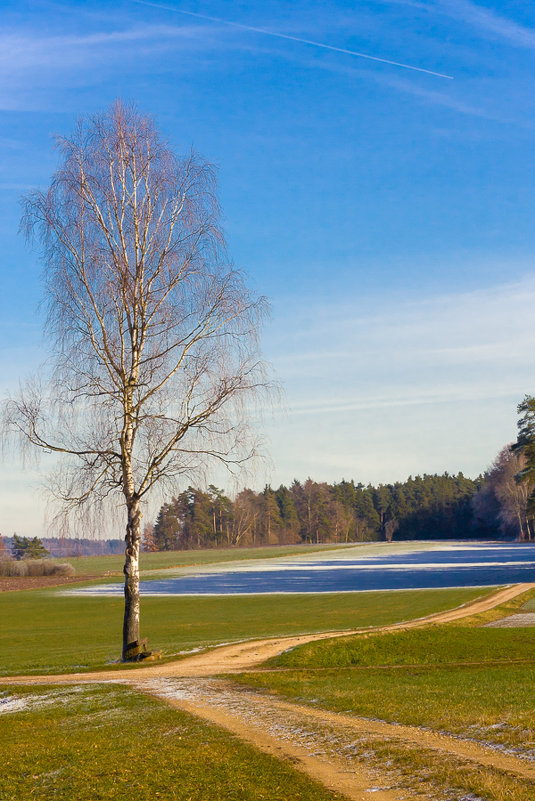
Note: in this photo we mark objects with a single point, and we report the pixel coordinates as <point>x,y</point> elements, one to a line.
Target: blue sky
<point>386,212</point>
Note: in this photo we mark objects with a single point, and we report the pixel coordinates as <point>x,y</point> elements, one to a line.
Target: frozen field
<point>353,569</point>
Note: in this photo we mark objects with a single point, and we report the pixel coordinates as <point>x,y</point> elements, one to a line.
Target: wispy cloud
<point>419,385</point>
<point>419,397</point>
<point>453,348</point>
<point>447,100</point>
<point>29,50</point>
<point>36,65</point>
<point>14,187</point>
<point>489,23</point>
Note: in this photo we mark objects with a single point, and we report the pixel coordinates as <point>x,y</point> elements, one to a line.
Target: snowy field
<point>356,568</point>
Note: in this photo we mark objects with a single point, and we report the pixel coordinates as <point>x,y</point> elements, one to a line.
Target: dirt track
<point>245,655</point>
<point>320,743</point>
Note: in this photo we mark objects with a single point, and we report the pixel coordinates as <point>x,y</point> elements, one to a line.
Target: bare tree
<point>247,512</point>
<point>504,497</point>
<point>512,494</point>
<point>153,334</point>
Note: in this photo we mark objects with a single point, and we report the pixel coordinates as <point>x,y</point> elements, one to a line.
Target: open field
<point>393,761</point>
<point>361,568</point>
<point>43,631</point>
<point>351,754</point>
<point>163,560</point>
<point>359,713</point>
<point>112,565</point>
<point>431,645</point>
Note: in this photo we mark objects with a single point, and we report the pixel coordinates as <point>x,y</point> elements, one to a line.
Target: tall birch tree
<point>153,335</point>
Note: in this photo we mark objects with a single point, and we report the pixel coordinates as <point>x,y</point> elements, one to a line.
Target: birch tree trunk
<point>131,578</point>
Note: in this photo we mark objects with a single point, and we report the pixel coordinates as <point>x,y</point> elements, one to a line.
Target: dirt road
<point>329,747</point>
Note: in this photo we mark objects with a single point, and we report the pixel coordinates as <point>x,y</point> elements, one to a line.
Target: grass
<point>109,743</point>
<point>470,681</point>
<point>45,632</point>
<point>162,560</point>
<point>448,777</point>
<point>529,606</point>
<point>431,645</point>
<point>491,704</point>
<point>427,677</point>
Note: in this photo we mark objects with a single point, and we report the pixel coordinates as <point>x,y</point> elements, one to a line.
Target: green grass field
<point>432,645</point>
<point>111,744</point>
<point>472,682</point>
<point>43,631</point>
<point>477,682</point>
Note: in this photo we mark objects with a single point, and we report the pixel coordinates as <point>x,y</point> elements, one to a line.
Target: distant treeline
<point>424,507</point>
<point>498,504</point>
<point>66,546</point>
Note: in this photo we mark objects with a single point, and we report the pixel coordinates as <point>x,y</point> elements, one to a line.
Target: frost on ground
<point>11,702</point>
<point>518,620</point>
<point>24,703</point>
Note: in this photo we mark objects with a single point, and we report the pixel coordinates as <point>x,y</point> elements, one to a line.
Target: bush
<point>10,567</point>
<point>42,568</point>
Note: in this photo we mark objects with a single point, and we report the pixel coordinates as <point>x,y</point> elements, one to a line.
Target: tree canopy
<point>423,507</point>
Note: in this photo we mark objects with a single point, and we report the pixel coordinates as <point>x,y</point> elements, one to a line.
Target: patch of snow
<point>518,620</point>
<point>15,703</point>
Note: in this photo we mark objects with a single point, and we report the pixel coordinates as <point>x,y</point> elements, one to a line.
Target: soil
<point>332,748</point>
<point>10,583</point>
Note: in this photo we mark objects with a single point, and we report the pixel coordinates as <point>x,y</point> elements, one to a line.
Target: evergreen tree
<point>201,525</point>
<point>424,507</point>
<point>287,513</point>
<point>221,509</point>
<point>166,532</point>
<point>26,548</point>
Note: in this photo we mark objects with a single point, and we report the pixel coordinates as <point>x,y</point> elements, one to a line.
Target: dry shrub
<point>64,569</point>
<point>45,568</point>
<point>10,568</point>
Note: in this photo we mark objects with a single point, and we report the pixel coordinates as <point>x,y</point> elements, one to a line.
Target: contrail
<point>295,39</point>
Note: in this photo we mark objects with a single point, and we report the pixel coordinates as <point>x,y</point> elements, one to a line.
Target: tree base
<point>137,651</point>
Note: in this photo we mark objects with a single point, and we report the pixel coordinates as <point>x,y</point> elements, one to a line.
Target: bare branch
<point>153,334</point>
